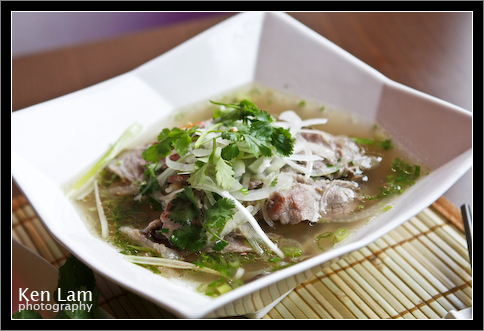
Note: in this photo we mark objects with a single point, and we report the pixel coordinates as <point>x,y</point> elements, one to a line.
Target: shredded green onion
<point>158,261</point>
<point>84,185</point>
<point>218,287</point>
<point>387,208</point>
<point>292,251</point>
<point>326,235</point>
<point>244,191</point>
<point>224,288</point>
<point>340,234</point>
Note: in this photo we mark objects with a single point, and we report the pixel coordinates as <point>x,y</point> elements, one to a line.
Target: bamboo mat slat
<point>421,270</point>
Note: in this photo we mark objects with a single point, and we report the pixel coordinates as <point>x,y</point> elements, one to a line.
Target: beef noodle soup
<point>242,186</point>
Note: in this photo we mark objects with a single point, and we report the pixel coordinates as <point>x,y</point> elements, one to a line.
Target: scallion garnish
<point>340,234</point>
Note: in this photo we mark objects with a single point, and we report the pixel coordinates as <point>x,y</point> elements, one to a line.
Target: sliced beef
<point>157,231</point>
<point>176,182</point>
<point>163,223</point>
<point>339,198</point>
<point>298,204</point>
<point>237,244</point>
<point>129,166</point>
<point>342,146</point>
<point>255,184</point>
<point>309,200</point>
<point>182,179</point>
<point>343,153</point>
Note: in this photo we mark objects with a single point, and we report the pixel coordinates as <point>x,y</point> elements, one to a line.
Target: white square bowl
<point>55,140</point>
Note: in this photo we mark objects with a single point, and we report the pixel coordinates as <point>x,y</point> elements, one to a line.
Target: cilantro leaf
<point>182,143</point>
<point>220,244</point>
<point>283,141</point>
<point>156,152</point>
<point>224,174</point>
<point>164,134</point>
<point>190,195</point>
<point>184,208</point>
<point>241,111</point>
<point>256,129</point>
<point>167,140</point>
<point>265,150</point>
<point>261,130</point>
<point>230,151</point>
<point>232,136</point>
<point>216,218</point>
<point>219,213</point>
<point>257,146</point>
<point>189,237</point>
<point>150,187</point>
<point>198,177</point>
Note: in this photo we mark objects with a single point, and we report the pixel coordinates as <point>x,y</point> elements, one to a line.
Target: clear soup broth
<point>392,170</point>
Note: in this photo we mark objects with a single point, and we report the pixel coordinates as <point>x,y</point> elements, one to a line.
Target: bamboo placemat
<point>420,270</point>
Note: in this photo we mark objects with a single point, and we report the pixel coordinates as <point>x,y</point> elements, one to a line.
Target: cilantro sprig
<point>195,225</point>
<point>167,140</point>
<point>176,138</point>
<point>243,124</point>
<point>253,126</point>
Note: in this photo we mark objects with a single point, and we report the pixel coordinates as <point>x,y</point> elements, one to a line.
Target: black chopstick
<point>467,218</point>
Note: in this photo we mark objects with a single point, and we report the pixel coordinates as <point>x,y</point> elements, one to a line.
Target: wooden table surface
<point>430,52</point>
